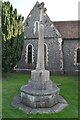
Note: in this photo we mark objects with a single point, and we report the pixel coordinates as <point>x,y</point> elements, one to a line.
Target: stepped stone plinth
<point>40,91</point>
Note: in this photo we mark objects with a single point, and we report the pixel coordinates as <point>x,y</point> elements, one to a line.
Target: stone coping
<point>28,90</point>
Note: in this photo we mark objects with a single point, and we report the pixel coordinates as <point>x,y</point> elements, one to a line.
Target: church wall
<point>69,47</point>
<point>53,64</point>
<point>61,56</point>
<point>54,56</point>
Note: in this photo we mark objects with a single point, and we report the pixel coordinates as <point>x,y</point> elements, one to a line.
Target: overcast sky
<point>57,10</point>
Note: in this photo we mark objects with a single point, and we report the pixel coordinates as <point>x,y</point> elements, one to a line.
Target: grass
<point>11,87</point>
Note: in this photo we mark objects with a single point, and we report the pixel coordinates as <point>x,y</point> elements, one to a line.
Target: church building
<point>61,46</point>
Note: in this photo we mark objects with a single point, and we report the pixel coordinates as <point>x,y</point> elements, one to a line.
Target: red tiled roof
<point>68,29</point>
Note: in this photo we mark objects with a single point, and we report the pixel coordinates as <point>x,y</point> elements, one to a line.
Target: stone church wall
<point>61,54</point>
<point>70,56</point>
<point>53,55</point>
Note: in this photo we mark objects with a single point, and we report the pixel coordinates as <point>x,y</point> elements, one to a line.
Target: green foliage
<point>12,36</point>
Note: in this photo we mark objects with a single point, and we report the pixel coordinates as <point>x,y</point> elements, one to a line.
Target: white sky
<point>57,10</point>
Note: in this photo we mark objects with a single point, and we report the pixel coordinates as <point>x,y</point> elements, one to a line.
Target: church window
<point>30,54</point>
<point>44,54</point>
<point>78,55</point>
<point>36,27</point>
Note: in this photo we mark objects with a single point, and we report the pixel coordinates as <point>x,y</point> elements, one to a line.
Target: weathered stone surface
<point>17,104</point>
<point>42,75</point>
<point>41,110</point>
<point>39,98</point>
<point>56,108</point>
<point>39,85</point>
<point>61,100</point>
<point>30,91</point>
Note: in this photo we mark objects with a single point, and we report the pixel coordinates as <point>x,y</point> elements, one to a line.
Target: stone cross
<point>40,55</point>
<point>40,91</point>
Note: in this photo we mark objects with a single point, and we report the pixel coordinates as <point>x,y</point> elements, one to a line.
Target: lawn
<point>11,87</point>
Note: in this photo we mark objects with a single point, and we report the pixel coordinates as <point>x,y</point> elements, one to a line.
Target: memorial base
<point>40,91</point>
<point>40,95</point>
<point>39,98</point>
<point>55,109</point>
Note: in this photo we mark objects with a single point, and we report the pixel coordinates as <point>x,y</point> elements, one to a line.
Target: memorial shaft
<point>40,56</point>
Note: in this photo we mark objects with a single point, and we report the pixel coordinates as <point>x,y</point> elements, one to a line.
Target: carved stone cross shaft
<point>40,56</point>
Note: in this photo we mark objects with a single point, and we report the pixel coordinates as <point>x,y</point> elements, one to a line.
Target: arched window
<point>44,54</point>
<point>78,55</point>
<point>36,27</point>
<point>30,54</point>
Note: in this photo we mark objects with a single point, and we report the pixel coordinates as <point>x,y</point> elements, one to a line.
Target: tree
<point>12,36</point>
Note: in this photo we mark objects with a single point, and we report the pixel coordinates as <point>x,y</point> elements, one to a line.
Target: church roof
<point>68,29</point>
